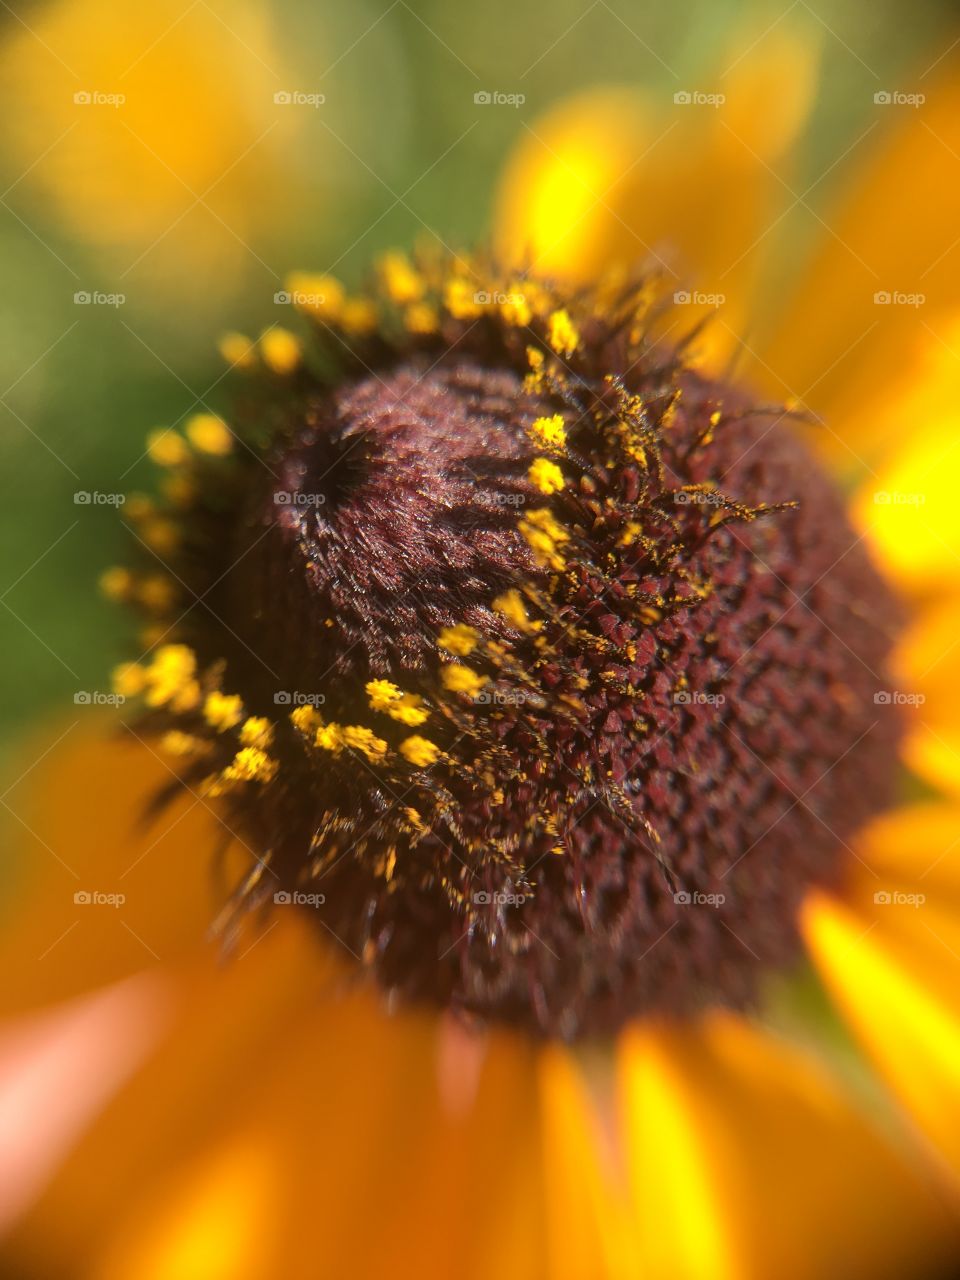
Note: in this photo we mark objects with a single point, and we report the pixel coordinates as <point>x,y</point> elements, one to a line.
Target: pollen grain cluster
<point>549,663</point>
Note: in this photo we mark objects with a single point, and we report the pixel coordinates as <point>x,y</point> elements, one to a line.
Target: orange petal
<point>873,311</point>
<point>927,675</point>
<point>747,1162</point>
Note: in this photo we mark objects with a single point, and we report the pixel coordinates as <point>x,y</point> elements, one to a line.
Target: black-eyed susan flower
<point>545,701</point>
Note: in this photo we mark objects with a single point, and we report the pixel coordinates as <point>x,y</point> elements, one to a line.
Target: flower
<point>624,681</point>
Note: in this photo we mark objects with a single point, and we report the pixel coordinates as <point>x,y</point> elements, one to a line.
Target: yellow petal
<point>878,297</point>
<point>894,970</point>
<point>927,673</point>
<point>614,178</point>
<point>747,1162</point>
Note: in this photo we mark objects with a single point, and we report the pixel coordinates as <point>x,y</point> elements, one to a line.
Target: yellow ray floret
<point>461,639</point>
<point>280,349</point>
<point>546,476</point>
<point>460,679</point>
<point>419,751</point>
<point>209,434</point>
<point>222,711</point>
<point>550,433</point>
<point>562,333</point>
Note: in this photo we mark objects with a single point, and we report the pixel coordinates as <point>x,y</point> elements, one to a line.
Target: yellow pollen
<point>256,731</point>
<point>170,678</point>
<point>562,332</point>
<point>157,592</point>
<point>209,434</point>
<point>510,606</point>
<point>238,350</point>
<point>549,432</point>
<point>419,751</point>
<point>544,534</point>
<point>116,583</point>
<point>460,679</point>
<point>329,737</point>
<point>460,298</point>
<point>250,764</point>
<point>222,710</point>
<point>178,489</point>
<point>400,279</point>
<point>358,316</point>
<point>161,536</point>
<point>315,294</point>
<point>515,309</point>
<point>176,743</point>
<point>305,718</point>
<point>546,475</point>
<point>364,740</point>
<point>420,317</point>
<point>128,679</point>
<point>280,349</point>
<point>166,448</point>
<point>385,696</point>
<point>461,639</point>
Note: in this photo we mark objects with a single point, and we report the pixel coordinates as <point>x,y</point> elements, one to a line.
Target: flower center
<point>565,684</point>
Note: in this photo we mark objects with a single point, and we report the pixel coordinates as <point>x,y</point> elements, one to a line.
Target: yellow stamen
<point>209,434</point>
<point>280,349</point>
<point>238,350</point>
<point>460,679</point>
<point>222,710</point>
<point>460,299</point>
<point>510,606</point>
<point>305,718</point>
<point>256,731</point>
<point>128,679</point>
<point>461,639</point>
<point>400,280</point>
<point>546,476</point>
<point>549,432</point>
<point>250,764</point>
<point>419,751</point>
<point>315,294</point>
<point>116,583</point>
<point>562,333</point>
<point>167,449</point>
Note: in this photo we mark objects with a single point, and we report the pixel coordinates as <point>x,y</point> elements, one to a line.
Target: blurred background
<point>163,166</point>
